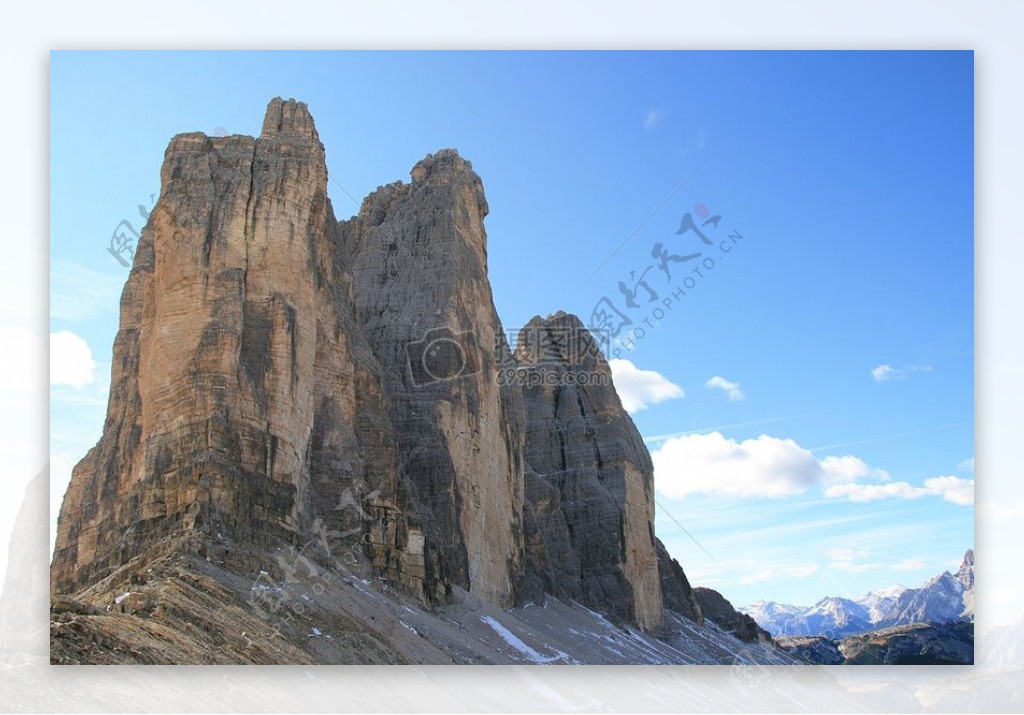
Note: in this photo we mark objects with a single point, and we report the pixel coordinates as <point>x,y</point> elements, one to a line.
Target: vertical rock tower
<point>243,399</point>
<point>283,380</point>
<point>418,253</point>
<point>591,481</point>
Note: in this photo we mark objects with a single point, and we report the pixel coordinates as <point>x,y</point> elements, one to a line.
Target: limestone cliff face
<point>590,481</point>
<point>282,382</point>
<point>679,596</point>
<point>244,402</point>
<point>418,252</point>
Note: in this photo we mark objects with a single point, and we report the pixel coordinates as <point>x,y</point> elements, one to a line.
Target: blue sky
<point>849,176</point>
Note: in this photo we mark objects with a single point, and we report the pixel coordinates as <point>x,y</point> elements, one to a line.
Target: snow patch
<point>513,640</point>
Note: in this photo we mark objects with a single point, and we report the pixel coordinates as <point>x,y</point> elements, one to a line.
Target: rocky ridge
<point>950,643</point>
<point>941,599</point>
<point>293,394</point>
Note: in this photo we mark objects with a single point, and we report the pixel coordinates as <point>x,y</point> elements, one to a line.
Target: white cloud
<point>639,389</point>
<point>888,373</point>
<point>78,293</point>
<point>875,492</point>
<point>763,467</point>
<point>967,465</point>
<point>71,360</point>
<point>795,570</point>
<point>908,565</point>
<point>732,389</point>
<point>771,467</point>
<point>802,570</point>
<point>847,554</point>
<point>953,489</point>
<point>861,561</point>
<point>851,560</point>
<point>850,469</point>
<point>654,117</point>
<point>882,373</point>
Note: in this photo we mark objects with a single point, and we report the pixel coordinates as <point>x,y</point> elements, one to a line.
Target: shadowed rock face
<point>813,649</point>
<point>418,252</point>
<point>965,575</point>
<point>715,606</point>
<point>914,644</point>
<point>675,587</point>
<point>590,481</point>
<point>283,383</point>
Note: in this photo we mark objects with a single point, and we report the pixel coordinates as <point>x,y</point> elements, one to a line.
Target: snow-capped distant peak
<point>946,579</point>
<point>871,598</point>
<point>942,598</point>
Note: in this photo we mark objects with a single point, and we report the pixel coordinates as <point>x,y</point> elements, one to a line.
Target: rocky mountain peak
<point>444,165</point>
<point>288,119</point>
<point>285,383</point>
<point>965,574</point>
<point>561,339</point>
<point>446,168</point>
<point>422,298</point>
<point>941,598</point>
<point>590,477</point>
<point>715,607</point>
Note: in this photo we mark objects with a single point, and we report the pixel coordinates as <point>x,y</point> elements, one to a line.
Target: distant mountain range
<point>946,597</point>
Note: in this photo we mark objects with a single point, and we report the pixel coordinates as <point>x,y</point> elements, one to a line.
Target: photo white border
<point>990,28</point>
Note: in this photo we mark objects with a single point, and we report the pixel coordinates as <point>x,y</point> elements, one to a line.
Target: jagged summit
<point>555,318</point>
<point>444,181</point>
<point>965,574</point>
<point>560,337</point>
<point>942,598</point>
<point>290,393</point>
<point>442,165</point>
<point>288,118</point>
